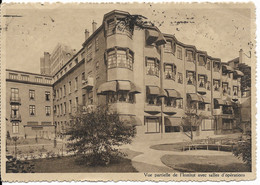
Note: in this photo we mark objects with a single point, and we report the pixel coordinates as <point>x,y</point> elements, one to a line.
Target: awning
<point>134,88</point>
<point>151,36</point>
<point>227,68</point>
<point>107,86</point>
<point>154,90</point>
<point>124,85</point>
<point>220,101</point>
<point>173,121</point>
<point>173,93</point>
<point>161,40</point>
<point>195,97</point>
<point>130,120</point>
<point>238,73</point>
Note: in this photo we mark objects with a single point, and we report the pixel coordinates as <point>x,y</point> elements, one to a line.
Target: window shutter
<point>127,53</point>
<point>105,56</point>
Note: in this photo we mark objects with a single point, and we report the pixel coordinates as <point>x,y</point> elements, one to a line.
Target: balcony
<point>152,108</point>
<point>16,117</point>
<point>15,100</point>
<point>88,84</point>
<point>170,109</point>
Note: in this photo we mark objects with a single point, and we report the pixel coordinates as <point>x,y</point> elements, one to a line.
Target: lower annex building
<point>150,78</point>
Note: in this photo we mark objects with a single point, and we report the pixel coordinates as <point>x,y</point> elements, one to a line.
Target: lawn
<point>69,164</point>
<point>199,163</point>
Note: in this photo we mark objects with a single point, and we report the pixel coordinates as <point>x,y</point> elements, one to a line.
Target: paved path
<point>150,159</point>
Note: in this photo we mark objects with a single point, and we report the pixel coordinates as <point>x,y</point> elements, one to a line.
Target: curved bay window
<point>119,57</point>
<point>120,96</point>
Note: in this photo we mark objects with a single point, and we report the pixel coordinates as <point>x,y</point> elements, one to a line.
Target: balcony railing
<point>15,100</point>
<point>88,84</point>
<point>15,117</point>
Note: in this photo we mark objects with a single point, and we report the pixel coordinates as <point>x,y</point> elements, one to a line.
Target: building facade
<point>149,78</point>
<point>29,105</point>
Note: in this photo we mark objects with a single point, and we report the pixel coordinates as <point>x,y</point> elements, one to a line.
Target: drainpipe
<point>162,87</point>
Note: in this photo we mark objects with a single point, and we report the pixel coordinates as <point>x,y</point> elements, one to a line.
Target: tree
<point>244,149</point>
<point>95,135</point>
<point>191,121</point>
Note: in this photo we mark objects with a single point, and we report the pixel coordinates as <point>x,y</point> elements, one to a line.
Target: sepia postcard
<point>128,92</point>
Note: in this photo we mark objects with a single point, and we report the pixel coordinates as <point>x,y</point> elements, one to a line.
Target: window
<point>225,87</point>
<point>235,90</point>
<point>96,44</point>
<point>180,78</point>
<point>111,27</point>
<point>170,102</point>
<point>83,99</point>
<point>227,124</point>
<point>32,111</point>
<point>61,92</point>
<point>15,111</point>
<point>76,83</point>
<point>152,67</point>
<point>14,94</point>
<point>179,103</point>
<point>208,64</point>
<point>70,106</point>
<point>58,110</point>
<point>189,56</point>
<point>152,125</point>
<point>47,96</point>
<point>120,96</point>
<point>89,52</point>
<point>76,60</point>
<point>202,81</point>
<point>97,65</point>
<point>61,109</point>
<point>13,76</point>
<point>202,61</point>
<point>25,77</point>
<point>32,94</point>
<point>201,106</point>
<point>120,57</point>
<point>208,85</point>
<point>216,85</point>
<point>216,66</point>
<point>47,110</point>
<point>83,76</point>
<point>15,127</point>
<point>48,80</point>
<point>82,54</point>
<point>179,53</point>
<point>69,87</point>
<point>54,109</point>
<point>172,129</point>
<point>168,46</point>
<point>207,124</point>
<point>169,71</point>
<point>76,103</point>
<point>90,98</point>
<point>152,99</point>
<point>190,77</point>
<point>64,90</point>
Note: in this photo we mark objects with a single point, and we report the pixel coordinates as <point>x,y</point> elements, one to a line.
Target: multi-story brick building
<point>29,105</point>
<point>149,78</point>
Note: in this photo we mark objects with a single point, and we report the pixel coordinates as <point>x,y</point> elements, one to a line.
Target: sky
<point>219,29</point>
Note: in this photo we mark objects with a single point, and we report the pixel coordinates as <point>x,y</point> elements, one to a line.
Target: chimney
<point>86,34</point>
<point>241,53</point>
<point>94,26</point>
